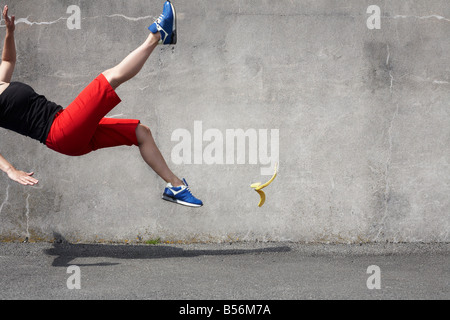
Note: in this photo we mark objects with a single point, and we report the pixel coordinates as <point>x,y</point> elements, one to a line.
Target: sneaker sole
<point>174,28</point>
<point>187,204</point>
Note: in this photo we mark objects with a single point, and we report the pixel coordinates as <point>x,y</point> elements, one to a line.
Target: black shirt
<point>24,111</point>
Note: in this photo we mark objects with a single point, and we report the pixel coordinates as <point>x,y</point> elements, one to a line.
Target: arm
<point>6,71</point>
<point>16,175</point>
<point>9,49</point>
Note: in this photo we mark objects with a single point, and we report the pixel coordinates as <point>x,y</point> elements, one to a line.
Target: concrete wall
<point>359,116</point>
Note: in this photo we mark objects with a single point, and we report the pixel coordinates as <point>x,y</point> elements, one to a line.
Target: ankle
<point>176,182</point>
<point>154,38</point>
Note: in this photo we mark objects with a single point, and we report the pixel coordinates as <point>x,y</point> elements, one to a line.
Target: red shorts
<point>82,126</point>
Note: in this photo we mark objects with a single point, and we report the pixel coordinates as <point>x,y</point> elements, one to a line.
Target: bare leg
<point>152,156</point>
<point>124,71</point>
<point>133,63</point>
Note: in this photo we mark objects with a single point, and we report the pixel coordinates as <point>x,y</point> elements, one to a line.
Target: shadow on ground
<point>65,252</point>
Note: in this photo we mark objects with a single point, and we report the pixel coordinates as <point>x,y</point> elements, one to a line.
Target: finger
<point>29,178</point>
<point>22,182</point>
<point>29,182</point>
<point>26,179</point>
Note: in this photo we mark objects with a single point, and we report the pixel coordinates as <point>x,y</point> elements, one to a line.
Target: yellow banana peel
<point>258,187</point>
<point>262,196</point>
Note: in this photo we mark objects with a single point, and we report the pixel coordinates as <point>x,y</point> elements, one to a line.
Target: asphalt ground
<point>231,272</point>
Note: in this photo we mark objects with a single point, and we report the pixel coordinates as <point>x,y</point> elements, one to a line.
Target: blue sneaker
<point>166,24</point>
<point>181,195</point>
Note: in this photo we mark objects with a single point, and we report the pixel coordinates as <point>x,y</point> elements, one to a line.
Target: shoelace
<point>158,21</point>
<point>189,190</point>
<point>160,29</point>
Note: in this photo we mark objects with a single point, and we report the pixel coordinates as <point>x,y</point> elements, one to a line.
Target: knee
<point>144,129</point>
<point>143,133</point>
<point>112,78</point>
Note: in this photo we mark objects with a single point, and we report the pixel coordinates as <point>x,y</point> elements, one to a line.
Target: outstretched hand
<point>21,177</point>
<point>10,25</point>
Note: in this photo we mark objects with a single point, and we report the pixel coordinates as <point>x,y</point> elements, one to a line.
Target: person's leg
<point>153,157</point>
<point>163,31</point>
<point>176,190</point>
<point>133,63</point>
<point>80,119</point>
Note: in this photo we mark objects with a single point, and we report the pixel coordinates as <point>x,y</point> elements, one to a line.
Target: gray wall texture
<point>350,99</point>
